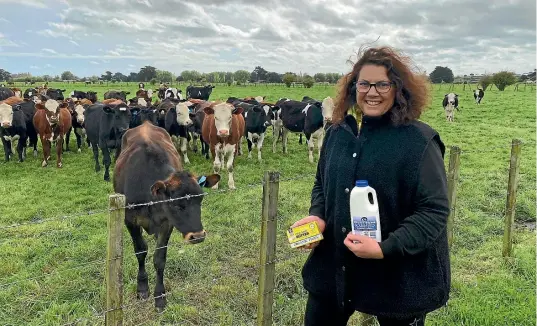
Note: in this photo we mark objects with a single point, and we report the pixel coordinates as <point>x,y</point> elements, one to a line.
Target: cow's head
<point>92,96</point>
<point>327,109</point>
<point>150,114</point>
<point>55,94</point>
<point>52,109</point>
<point>222,113</point>
<point>141,85</point>
<point>184,117</point>
<point>79,113</point>
<point>120,115</point>
<point>6,114</point>
<point>451,98</point>
<point>184,214</point>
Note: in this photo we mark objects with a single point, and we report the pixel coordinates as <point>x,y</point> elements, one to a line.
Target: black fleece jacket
<point>404,164</point>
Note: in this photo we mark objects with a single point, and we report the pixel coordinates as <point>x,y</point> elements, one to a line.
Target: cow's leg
<point>240,145</point>
<point>320,139</point>
<point>45,143</point>
<point>96,158</point>
<point>183,142</point>
<point>300,139</point>
<point>275,137</point>
<point>259,145</point>
<point>78,138</point>
<point>229,151</point>
<point>106,162</point>
<point>217,164</point>
<point>309,139</point>
<point>195,137</point>
<point>249,140</point>
<point>159,261</point>
<point>67,136</point>
<point>33,141</point>
<point>285,134</point>
<point>59,151</point>
<point>21,147</point>
<point>140,249</point>
<point>7,148</point>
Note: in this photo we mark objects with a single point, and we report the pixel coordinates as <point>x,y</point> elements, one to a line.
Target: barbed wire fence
<point>113,314</point>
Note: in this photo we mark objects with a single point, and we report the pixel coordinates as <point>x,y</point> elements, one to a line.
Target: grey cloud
<point>306,35</point>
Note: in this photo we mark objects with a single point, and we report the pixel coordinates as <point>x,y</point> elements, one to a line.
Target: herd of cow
<point>220,126</point>
<point>148,166</point>
<point>451,103</point>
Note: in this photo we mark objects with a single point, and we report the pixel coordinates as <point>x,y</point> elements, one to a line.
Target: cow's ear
<point>208,110</point>
<point>108,109</point>
<point>208,181</point>
<point>238,110</point>
<point>158,188</point>
<point>40,106</point>
<point>456,95</point>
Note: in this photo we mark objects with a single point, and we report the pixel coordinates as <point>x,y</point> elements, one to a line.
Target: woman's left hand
<point>366,248</point>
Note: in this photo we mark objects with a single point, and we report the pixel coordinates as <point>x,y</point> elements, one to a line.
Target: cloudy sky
<point>89,37</point>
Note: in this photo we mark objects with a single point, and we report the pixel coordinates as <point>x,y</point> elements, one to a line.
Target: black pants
<point>321,311</point>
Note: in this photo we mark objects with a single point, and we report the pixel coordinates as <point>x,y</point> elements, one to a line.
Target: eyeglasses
<point>381,86</point>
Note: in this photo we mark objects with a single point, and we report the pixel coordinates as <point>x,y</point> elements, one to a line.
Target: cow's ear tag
<point>202,180</point>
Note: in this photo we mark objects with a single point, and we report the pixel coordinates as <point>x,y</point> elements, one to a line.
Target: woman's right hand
<point>320,223</point>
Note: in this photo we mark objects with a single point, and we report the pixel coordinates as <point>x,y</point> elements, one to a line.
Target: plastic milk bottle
<point>364,209</point>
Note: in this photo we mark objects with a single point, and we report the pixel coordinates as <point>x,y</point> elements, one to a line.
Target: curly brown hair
<point>411,88</point>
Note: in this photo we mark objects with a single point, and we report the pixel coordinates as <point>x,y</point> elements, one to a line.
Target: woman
<point>407,274</point>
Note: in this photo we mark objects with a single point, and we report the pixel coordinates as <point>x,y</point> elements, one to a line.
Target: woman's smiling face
<point>374,100</point>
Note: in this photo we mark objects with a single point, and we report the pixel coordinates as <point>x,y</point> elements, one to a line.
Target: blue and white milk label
<point>365,225</point>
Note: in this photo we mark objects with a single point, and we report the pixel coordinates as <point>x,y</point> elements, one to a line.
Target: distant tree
<point>289,78</point>
<point>241,76</point>
<point>229,77</point>
<point>440,74</point>
<point>179,78</point>
<point>319,77</point>
<point>147,73</point>
<point>153,81</point>
<point>67,75</point>
<point>503,79</point>
<point>308,81</point>
<point>107,76</point>
<point>164,76</point>
<point>119,77</point>
<point>190,75</point>
<point>274,77</point>
<point>258,74</point>
<point>485,81</point>
<point>4,75</point>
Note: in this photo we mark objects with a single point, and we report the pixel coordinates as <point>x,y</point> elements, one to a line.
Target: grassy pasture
<point>58,266</point>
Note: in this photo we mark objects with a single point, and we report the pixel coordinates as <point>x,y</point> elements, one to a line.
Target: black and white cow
<point>478,95</point>
<point>202,93</point>
<point>12,127</point>
<point>303,117</point>
<point>450,104</point>
<point>77,124</point>
<point>173,93</point>
<point>78,95</point>
<point>141,86</point>
<point>31,94</point>
<point>6,93</point>
<point>29,109</point>
<point>178,121</point>
<point>55,94</point>
<point>121,95</point>
<point>105,125</point>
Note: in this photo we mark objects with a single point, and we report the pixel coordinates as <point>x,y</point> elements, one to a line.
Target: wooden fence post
<point>511,198</point>
<point>453,178</point>
<point>269,214</point>
<point>114,259</point>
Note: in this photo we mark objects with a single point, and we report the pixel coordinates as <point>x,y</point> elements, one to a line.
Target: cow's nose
<point>6,124</point>
<point>223,132</point>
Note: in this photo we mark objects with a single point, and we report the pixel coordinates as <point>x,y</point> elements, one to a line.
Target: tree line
<point>501,79</point>
<point>153,76</point>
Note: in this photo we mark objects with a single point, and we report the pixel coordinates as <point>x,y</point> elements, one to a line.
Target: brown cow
<point>51,121</point>
<point>12,100</point>
<point>149,169</point>
<point>223,129</point>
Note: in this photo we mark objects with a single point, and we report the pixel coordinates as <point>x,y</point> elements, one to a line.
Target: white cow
<point>450,104</point>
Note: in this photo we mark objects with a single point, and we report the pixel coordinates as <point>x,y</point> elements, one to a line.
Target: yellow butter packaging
<point>304,234</point>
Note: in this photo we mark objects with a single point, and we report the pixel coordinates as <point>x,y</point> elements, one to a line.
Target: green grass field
<point>58,266</point>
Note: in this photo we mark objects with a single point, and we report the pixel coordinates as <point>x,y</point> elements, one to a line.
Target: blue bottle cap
<point>361,183</point>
